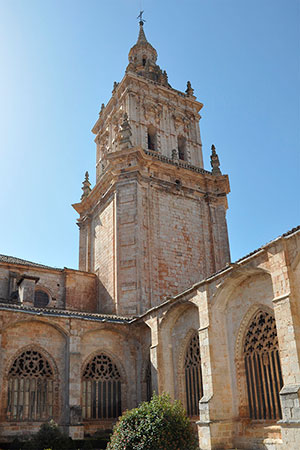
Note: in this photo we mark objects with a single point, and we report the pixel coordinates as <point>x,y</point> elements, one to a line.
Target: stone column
<point>290,393</point>
<point>215,425</point>
<point>76,428</point>
<point>1,357</point>
<point>154,327</point>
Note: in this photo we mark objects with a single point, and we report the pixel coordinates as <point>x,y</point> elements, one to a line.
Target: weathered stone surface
<point>154,274</point>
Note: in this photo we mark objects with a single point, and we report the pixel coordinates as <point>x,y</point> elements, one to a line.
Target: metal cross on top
<point>140,16</point>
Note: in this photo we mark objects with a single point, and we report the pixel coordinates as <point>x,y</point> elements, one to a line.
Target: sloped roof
<point>55,312</point>
<point>23,262</point>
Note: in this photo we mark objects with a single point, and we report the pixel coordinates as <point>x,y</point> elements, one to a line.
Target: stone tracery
<point>193,376</point>
<point>101,397</point>
<point>30,388</point>
<point>262,366</point>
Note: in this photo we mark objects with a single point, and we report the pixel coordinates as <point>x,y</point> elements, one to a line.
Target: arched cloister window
<point>193,376</point>
<point>30,388</point>
<point>262,367</point>
<point>101,389</point>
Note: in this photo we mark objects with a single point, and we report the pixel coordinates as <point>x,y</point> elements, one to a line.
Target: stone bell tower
<point>155,222</point>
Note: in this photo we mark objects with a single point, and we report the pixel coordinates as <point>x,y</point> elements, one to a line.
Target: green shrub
<point>155,425</point>
<point>49,436</point>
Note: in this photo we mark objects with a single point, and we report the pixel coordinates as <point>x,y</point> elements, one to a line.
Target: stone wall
<point>69,344</point>
<point>66,288</point>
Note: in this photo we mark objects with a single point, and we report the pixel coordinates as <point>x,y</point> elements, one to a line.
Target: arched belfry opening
<point>262,367</point>
<point>152,138</point>
<point>181,142</point>
<point>193,376</point>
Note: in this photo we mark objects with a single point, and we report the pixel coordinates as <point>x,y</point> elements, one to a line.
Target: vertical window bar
<point>261,386</point>
<point>271,376</point>
<point>267,387</point>
<point>99,400</point>
<point>277,382</point>
<point>119,399</point>
<point>84,399</point>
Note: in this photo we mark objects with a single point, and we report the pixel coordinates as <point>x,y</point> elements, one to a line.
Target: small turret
<point>86,186</point>
<point>189,90</point>
<point>125,133</point>
<point>214,162</point>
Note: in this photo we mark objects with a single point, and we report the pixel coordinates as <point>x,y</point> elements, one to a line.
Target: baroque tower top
<point>142,60</point>
<point>162,119</point>
<point>155,222</point>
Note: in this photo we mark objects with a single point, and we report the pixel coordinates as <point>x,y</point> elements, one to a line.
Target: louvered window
<point>193,376</point>
<point>101,397</point>
<point>262,366</point>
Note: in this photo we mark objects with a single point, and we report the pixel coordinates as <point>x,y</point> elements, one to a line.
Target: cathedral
<point>156,304</point>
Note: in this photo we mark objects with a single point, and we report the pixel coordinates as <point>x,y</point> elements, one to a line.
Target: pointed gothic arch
<point>259,366</point>
<point>101,388</point>
<point>193,375</point>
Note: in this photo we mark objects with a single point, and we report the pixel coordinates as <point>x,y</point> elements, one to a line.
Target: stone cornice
<point>126,163</point>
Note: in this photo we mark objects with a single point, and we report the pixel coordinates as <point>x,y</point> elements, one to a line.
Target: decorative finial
<point>140,16</point>
<point>125,133</point>
<point>164,78</point>
<point>102,109</point>
<point>189,90</point>
<point>86,186</point>
<point>214,162</point>
<point>116,84</point>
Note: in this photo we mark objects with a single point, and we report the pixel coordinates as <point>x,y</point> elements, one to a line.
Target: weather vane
<point>140,16</point>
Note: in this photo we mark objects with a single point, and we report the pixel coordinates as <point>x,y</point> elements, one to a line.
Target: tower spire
<point>142,58</point>
<point>142,37</point>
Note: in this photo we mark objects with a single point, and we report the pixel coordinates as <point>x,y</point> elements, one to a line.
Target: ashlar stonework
<point>156,303</point>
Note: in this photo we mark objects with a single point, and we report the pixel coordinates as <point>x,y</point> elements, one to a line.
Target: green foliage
<point>155,425</point>
<point>49,436</point>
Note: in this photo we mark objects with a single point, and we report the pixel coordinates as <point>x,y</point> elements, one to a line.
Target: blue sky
<point>59,60</point>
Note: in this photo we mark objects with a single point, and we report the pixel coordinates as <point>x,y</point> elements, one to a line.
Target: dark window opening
<point>144,62</point>
<point>149,392</point>
<point>181,148</point>
<point>152,144</point>
<point>41,299</point>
